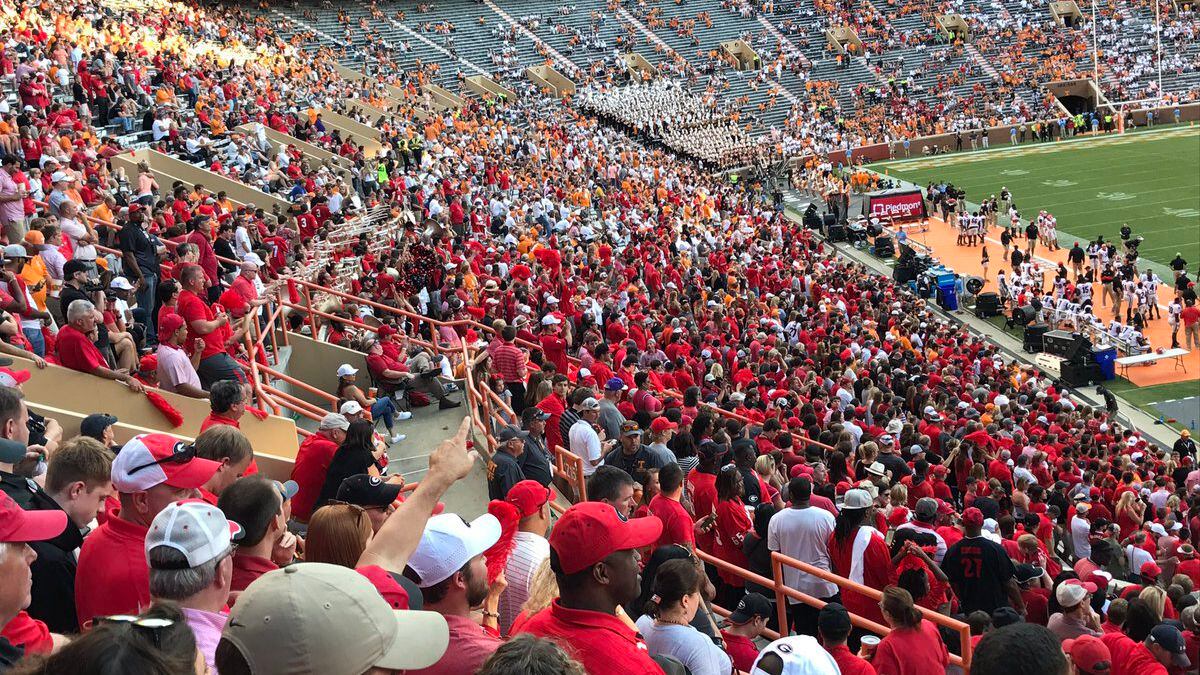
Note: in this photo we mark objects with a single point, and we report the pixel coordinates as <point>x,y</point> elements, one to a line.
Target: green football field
<point>1149,179</point>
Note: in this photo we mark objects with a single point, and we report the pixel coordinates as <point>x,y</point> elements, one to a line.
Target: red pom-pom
<point>497,556</point>
<point>164,406</point>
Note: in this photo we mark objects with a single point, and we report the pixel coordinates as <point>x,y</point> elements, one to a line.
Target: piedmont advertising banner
<point>898,204</point>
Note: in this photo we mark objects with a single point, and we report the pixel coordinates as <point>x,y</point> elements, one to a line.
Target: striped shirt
<point>509,362</point>
<point>529,550</point>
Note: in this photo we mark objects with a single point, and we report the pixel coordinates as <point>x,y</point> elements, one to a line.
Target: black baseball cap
<point>1005,616</point>
<point>1169,638</point>
<point>750,606</point>
<point>833,619</point>
<point>713,449</point>
<point>73,266</point>
<point>366,490</point>
<point>529,414</point>
<point>94,425</point>
<point>1026,572</point>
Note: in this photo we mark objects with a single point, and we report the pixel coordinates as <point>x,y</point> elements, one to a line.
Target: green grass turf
<point>1149,179</point>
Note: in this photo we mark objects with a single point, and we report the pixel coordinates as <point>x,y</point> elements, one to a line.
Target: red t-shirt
<point>312,462</point>
<point>1129,657</point>
<point>77,352</point>
<point>601,642</point>
<point>848,662</point>
<point>703,487</point>
<point>677,524</point>
<point>113,576</point>
<point>742,651</point>
<point>912,651</point>
<point>192,308</point>
<point>247,568</point>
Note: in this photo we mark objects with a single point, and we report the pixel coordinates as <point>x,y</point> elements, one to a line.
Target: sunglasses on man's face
<point>182,453</point>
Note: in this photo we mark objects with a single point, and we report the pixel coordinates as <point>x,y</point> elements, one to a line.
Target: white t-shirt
<point>74,231</point>
<point>585,444</point>
<point>1137,556</point>
<point>1080,529</point>
<point>803,534</point>
<point>694,649</point>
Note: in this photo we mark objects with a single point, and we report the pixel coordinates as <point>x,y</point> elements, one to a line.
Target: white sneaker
<point>450,386</point>
<point>403,415</point>
<point>397,438</point>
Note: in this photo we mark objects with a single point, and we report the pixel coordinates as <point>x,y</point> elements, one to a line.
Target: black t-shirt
<point>346,462</point>
<point>133,239</point>
<point>9,654</point>
<point>535,462</point>
<point>224,249</point>
<point>66,296</point>
<point>980,569</point>
<point>503,473</point>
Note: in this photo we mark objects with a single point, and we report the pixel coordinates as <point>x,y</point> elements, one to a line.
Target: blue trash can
<point>1107,360</point>
<point>949,295</point>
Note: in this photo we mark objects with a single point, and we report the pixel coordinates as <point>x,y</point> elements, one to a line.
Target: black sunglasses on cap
<point>181,454</point>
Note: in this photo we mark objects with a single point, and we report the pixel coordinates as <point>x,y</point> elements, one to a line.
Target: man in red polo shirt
<point>594,556</point>
<point>227,403</point>
<point>678,527</point>
<point>312,462</point>
<point>77,351</point>
<point>150,472</point>
<point>205,324</point>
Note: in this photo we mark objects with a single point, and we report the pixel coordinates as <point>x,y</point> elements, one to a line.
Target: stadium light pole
<point>1158,39</point>
<point>1095,56</point>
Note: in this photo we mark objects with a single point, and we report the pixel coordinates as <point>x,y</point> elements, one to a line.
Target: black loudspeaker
<point>1023,316</point>
<point>987,305</point>
<point>904,274</point>
<point>828,219</point>
<point>1080,350</point>
<point>1080,374</point>
<point>1058,343</point>
<point>1033,337</point>
<point>885,247</point>
<point>835,232</point>
<point>973,285</point>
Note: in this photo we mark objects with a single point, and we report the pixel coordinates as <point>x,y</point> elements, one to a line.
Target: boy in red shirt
<point>746,622</point>
<point>833,626</point>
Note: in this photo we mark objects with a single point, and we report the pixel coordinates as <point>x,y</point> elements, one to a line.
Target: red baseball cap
<point>661,424</point>
<point>168,323</point>
<point>528,496</point>
<point>973,517</point>
<point>387,585</point>
<point>148,460</point>
<point>944,508</point>
<point>17,376</point>
<point>1089,654</point>
<point>386,330</point>
<point>591,531</point>
<point>18,526</point>
<point>1150,569</point>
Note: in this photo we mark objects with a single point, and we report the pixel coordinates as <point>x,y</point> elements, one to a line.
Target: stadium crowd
<point>729,386</point>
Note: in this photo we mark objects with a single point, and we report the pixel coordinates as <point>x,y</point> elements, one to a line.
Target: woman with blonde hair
<point>767,469</point>
<point>1156,598</point>
<point>338,534</point>
<point>1129,513</point>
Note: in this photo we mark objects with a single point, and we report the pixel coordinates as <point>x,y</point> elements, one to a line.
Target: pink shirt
<point>12,210</point>
<point>175,368</point>
<point>470,647</point>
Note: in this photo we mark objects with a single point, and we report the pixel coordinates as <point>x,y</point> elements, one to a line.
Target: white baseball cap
<point>346,370</point>
<point>121,284</point>
<point>196,529</point>
<point>448,543</point>
<point>550,320</point>
<point>800,654</point>
<point>857,498</point>
<point>351,408</point>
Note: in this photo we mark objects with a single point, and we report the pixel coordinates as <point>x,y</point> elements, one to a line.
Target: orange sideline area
<point>965,260</point>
